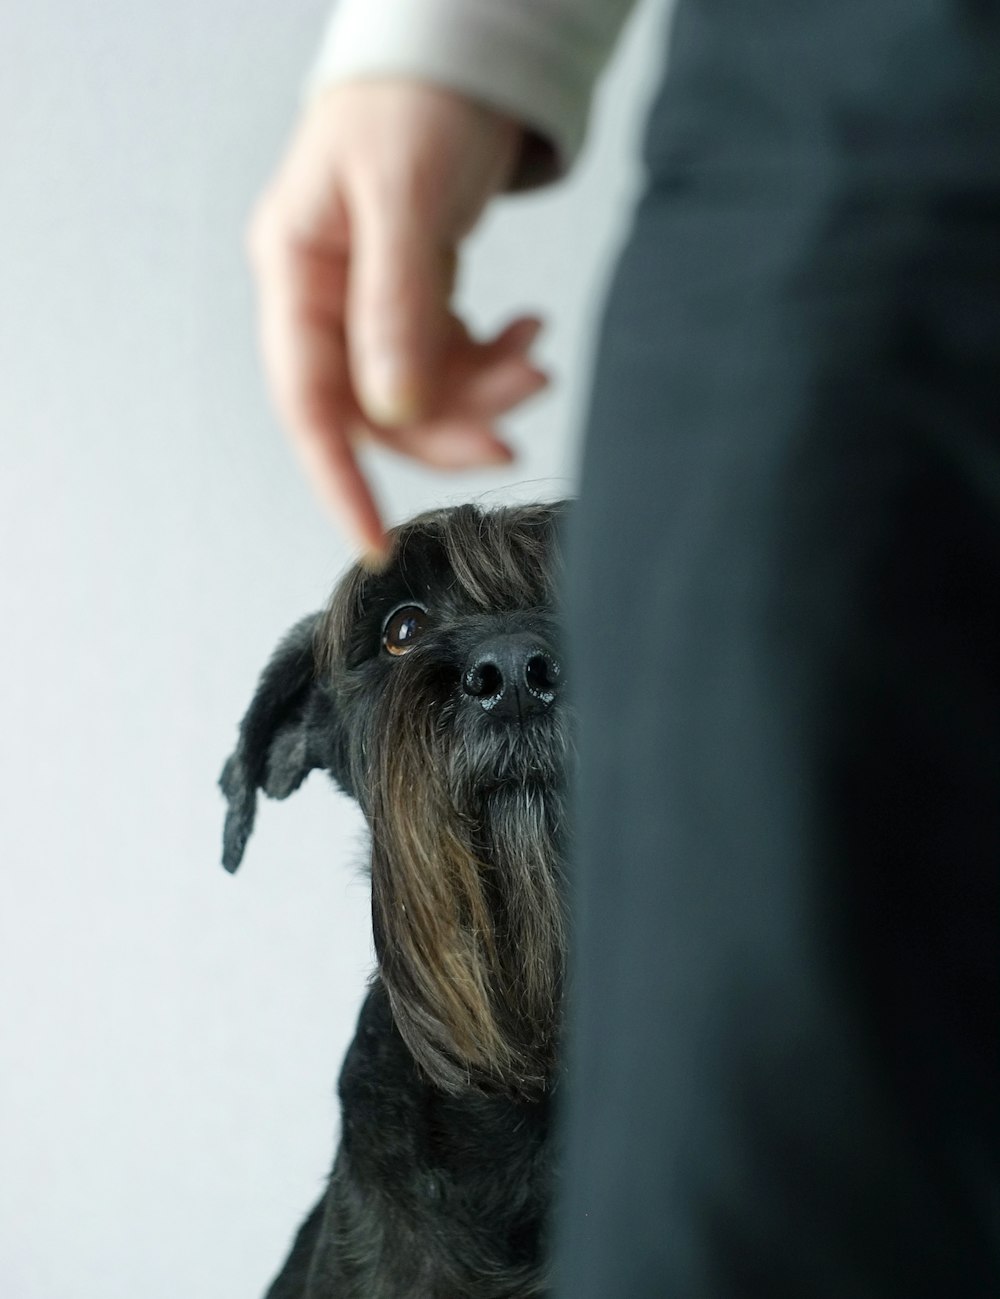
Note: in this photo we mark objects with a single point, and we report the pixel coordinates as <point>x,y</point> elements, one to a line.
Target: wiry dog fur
<point>456,752</point>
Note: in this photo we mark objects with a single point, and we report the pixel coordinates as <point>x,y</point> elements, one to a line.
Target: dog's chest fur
<point>447,1192</point>
<point>431,693</point>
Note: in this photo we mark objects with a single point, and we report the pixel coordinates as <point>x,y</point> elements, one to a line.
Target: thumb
<point>399,286</point>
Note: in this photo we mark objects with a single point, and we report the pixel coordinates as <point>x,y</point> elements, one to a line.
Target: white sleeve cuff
<point>536,60</point>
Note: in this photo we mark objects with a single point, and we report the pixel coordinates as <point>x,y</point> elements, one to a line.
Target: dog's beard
<point>467,836</point>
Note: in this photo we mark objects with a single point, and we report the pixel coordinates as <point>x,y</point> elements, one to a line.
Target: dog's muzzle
<point>512,677</point>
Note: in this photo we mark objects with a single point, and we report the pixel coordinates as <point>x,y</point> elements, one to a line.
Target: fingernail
<point>481,455</point>
<point>373,559</point>
<point>500,454</point>
<point>390,393</point>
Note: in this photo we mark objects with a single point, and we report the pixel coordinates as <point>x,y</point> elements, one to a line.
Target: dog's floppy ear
<point>289,728</point>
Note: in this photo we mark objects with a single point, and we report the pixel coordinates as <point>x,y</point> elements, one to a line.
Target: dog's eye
<point>403,628</point>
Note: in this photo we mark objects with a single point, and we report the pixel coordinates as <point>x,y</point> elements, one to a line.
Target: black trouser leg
<point>785,618</point>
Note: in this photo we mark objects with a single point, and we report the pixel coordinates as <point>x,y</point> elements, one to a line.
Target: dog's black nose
<point>513,676</point>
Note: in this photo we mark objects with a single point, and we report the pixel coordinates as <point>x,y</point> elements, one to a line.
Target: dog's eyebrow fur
<point>500,559</point>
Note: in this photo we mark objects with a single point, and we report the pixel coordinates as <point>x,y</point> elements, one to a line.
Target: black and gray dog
<point>430,691</point>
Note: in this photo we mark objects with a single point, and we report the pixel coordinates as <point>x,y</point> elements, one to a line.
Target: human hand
<point>354,248</point>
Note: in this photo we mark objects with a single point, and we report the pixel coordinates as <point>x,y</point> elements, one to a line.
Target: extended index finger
<point>302,341</point>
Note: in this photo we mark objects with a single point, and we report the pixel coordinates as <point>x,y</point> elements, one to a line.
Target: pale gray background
<point>169,1036</point>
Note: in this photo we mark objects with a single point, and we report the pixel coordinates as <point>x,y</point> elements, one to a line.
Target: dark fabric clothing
<point>785,627</point>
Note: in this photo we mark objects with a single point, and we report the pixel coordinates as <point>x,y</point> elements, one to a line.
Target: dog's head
<point>431,692</point>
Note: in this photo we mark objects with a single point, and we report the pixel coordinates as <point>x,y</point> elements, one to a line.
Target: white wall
<point>170,1036</point>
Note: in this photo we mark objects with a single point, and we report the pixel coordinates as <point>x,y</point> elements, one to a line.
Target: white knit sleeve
<point>534,59</point>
